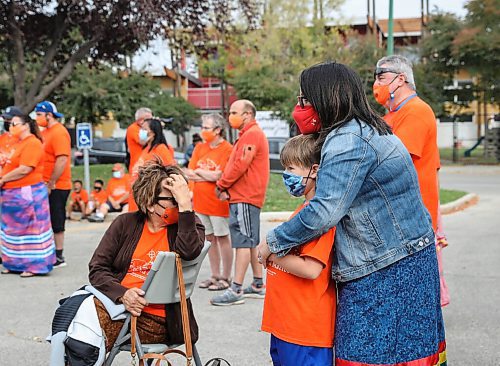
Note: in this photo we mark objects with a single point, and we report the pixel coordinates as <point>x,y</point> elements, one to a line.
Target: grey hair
<point>141,112</point>
<point>218,121</point>
<point>400,64</point>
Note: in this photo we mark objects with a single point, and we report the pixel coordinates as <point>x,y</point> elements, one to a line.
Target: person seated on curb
<point>97,197</point>
<point>122,260</point>
<point>118,194</point>
<point>78,201</point>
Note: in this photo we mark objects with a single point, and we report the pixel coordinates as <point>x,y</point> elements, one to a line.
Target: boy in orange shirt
<point>300,302</point>
<point>78,200</point>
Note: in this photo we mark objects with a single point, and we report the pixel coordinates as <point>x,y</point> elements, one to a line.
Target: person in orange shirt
<point>154,146</point>
<point>79,199</point>
<point>118,192</point>
<point>205,168</point>
<point>26,234</point>
<point>6,139</point>
<point>300,302</point>
<point>134,146</point>
<point>56,170</point>
<point>244,183</point>
<point>414,122</point>
<point>98,196</point>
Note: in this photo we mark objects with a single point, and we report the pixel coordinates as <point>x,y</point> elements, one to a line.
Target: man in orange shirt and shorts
<point>78,200</point>
<point>56,170</point>
<point>414,122</point>
<point>118,194</point>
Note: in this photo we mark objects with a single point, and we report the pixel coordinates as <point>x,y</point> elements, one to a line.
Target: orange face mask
<point>208,135</point>
<point>41,121</point>
<point>16,130</point>
<point>383,94</point>
<point>235,121</point>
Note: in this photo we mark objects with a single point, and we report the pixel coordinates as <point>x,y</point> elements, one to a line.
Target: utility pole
<point>390,36</point>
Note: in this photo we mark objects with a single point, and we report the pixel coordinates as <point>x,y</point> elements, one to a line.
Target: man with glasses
<point>414,122</point>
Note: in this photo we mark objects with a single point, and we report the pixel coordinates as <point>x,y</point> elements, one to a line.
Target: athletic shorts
<point>244,225</point>
<point>57,203</point>
<point>216,225</point>
<point>289,354</point>
<point>112,209</point>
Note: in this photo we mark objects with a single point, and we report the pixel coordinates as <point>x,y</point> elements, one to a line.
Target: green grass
<point>477,156</point>
<point>277,198</point>
<point>447,195</point>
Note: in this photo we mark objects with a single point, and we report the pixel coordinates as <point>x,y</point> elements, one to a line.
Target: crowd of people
<point>353,277</point>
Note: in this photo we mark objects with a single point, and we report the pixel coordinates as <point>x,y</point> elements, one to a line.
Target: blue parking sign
<point>84,135</point>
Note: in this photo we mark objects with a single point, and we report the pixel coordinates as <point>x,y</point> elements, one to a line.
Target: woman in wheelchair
<point>120,264</point>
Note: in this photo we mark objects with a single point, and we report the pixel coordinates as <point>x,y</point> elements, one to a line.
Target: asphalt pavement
<point>470,264</point>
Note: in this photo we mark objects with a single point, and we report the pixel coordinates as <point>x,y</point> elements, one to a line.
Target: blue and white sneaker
<point>228,297</point>
<point>254,292</point>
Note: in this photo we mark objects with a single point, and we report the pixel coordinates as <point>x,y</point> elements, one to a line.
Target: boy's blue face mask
<point>293,183</point>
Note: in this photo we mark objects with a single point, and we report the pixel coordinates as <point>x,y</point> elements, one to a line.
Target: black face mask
<point>6,125</point>
<point>97,189</point>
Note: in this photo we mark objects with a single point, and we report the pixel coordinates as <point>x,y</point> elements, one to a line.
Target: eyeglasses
<point>171,199</point>
<point>300,99</point>
<point>383,70</point>
<point>13,124</point>
<point>207,128</point>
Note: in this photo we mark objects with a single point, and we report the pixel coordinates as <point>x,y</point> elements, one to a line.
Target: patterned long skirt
<point>26,234</point>
<point>392,316</point>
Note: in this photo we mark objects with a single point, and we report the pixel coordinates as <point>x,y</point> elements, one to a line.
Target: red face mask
<point>170,215</point>
<point>307,119</point>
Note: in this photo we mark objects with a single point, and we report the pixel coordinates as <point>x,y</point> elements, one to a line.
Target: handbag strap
<point>186,329</point>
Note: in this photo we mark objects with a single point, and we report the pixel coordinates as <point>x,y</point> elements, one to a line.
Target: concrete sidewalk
<point>471,269</point>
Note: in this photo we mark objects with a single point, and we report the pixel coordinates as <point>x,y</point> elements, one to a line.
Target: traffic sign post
<point>84,142</point>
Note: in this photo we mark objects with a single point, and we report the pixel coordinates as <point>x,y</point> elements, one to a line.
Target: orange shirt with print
<point>80,196</point>
<point>298,310</point>
<point>118,187</point>
<point>142,260</point>
<point>99,197</point>
<point>415,125</point>
<point>213,159</point>
<point>247,172</point>
<point>57,142</point>
<point>133,144</point>
<point>163,152</point>
<point>7,142</point>
<point>27,152</point>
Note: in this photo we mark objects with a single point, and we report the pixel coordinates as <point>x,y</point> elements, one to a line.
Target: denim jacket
<point>367,187</point>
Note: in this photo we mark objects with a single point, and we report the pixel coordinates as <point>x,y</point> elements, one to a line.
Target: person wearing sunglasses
<point>165,221</point>
<point>27,239</point>
<point>414,122</point>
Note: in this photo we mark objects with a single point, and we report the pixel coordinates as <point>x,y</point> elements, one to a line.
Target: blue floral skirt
<point>392,316</point>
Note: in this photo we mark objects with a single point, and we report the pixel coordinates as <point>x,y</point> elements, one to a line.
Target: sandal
<point>27,274</point>
<point>208,282</point>
<point>221,284</point>
<point>8,271</point>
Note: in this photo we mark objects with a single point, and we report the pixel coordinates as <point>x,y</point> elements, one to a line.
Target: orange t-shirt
<point>142,260</point>
<point>117,187</point>
<point>99,197</point>
<point>28,152</point>
<point>415,125</point>
<point>80,196</point>
<point>57,142</point>
<point>298,310</point>
<point>134,146</point>
<point>7,142</point>
<point>214,159</point>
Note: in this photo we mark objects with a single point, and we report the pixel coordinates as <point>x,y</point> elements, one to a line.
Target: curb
<point>460,204</point>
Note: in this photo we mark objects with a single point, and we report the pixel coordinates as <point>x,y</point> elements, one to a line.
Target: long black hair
<point>336,92</point>
<point>156,127</point>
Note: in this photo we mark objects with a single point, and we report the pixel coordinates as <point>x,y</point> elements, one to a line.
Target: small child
<point>300,303</point>
<point>78,200</point>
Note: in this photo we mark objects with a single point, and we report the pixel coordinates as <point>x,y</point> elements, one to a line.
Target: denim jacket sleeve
<point>346,160</point>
